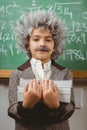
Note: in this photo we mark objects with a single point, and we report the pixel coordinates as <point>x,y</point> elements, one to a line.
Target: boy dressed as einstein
<point>41,35</point>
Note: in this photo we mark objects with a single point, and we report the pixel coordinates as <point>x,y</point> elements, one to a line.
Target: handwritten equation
<point>76,26</point>
<point>75,54</point>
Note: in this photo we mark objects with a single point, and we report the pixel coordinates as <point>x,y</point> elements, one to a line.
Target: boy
<point>41,36</point>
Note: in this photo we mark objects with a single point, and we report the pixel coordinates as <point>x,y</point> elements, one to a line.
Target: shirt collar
<point>34,62</point>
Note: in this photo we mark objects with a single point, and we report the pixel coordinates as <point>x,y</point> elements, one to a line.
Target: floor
<point>77,122</point>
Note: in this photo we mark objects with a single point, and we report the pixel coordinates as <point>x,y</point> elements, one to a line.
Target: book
<point>64,87</point>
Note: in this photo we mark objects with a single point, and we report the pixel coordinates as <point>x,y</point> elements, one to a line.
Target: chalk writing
<point>11,49</point>
<point>77,33</point>
<point>77,39</point>
<point>34,3</point>
<point>8,9</point>
<point>84,14</point>
<point>50,7</point>
<point>69,3</point>
<point>4,25</point>
<point>6,37</point>
<point>77,27</point>
<point>62,10</point>
<point>74,54</point>
<point>34,8</point>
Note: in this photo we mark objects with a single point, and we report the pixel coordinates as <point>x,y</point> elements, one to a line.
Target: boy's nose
<point>42,43</point>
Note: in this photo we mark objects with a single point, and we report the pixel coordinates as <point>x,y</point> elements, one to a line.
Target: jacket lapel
<point>57,74</point>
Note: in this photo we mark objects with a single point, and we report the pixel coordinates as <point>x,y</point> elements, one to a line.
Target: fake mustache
<point>43,48</point>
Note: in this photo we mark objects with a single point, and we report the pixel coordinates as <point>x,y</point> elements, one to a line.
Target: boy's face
<point>41,44</point>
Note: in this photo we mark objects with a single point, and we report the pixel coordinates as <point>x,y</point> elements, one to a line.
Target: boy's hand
<point>32,94</point>
<point>50,94</point>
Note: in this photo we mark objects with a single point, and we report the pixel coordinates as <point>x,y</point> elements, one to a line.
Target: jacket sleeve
<point>12,93</point>
<point>42,113</point>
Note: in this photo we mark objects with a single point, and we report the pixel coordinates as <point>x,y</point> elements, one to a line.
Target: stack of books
<point>64,87</point>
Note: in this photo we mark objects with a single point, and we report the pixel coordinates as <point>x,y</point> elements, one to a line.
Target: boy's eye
<point>48,40</point>
<point>35,39</point>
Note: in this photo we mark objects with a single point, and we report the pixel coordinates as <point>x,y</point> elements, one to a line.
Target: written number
<point>4,25</point>
<point>6,36</point>
<point>61,10</point>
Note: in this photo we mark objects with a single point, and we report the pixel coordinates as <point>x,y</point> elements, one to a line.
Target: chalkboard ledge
<point>5,73</point>
<point>76,73</point>
<point>81,74</point>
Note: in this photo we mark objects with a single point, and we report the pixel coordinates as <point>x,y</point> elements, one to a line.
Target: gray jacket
<point>41,117</point>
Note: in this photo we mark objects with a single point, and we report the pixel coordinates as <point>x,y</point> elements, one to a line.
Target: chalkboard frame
<point>76,74</point>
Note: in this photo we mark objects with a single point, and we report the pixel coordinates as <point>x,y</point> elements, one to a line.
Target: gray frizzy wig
<point>41,19</point>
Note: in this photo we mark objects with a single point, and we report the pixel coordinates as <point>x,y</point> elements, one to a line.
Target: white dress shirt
<point>39,71</point>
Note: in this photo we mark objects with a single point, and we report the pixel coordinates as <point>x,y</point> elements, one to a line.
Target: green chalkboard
<point>74,14</point>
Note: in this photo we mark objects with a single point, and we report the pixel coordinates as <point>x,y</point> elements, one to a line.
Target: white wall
<point>6,123</point>
<point>79,119</point>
